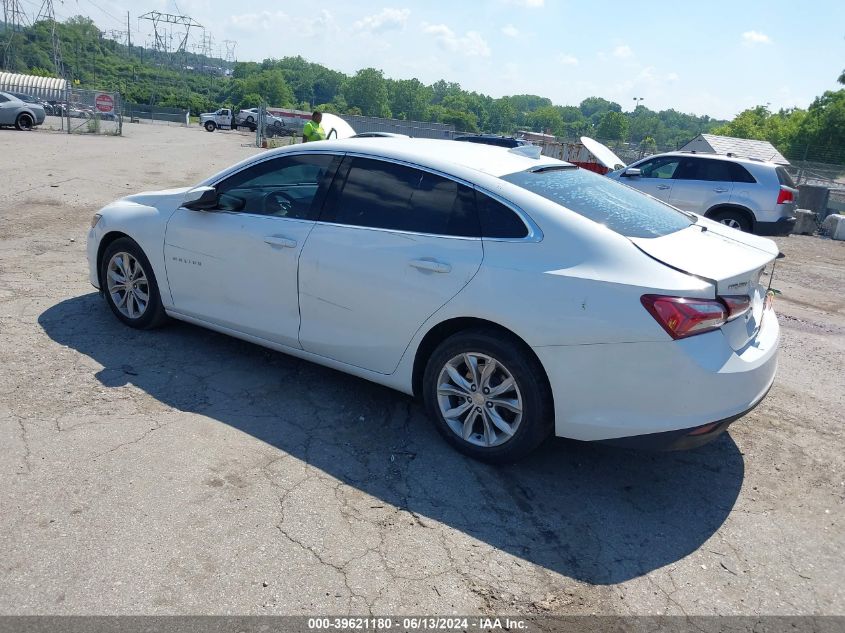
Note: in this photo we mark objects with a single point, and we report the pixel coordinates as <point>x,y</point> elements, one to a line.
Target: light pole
<point>637,101</point>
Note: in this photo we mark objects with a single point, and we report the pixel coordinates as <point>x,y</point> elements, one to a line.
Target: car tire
<point>478,431</point>
<point>734,219</point>
<point>210,126</point>
<point>126,302</point>
<point>250,120</point>
<point>24,122</point>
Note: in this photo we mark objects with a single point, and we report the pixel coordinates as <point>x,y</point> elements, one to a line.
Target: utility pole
<point>128,34</point>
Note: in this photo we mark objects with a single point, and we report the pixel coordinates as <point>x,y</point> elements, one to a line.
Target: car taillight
<point>737,305</point>
<point>682,317</point>
<point>785,195</point>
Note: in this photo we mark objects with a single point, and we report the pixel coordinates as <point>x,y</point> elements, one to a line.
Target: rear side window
<point>784,178</point>
<point>381,194</point>
<point>497,220</point>
<point>3,99</point>
<point>740,173</point>
<point>607,202</point>
<point>704,169</point>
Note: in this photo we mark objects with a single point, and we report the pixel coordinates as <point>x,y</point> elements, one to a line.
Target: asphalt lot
<point>181,471</point>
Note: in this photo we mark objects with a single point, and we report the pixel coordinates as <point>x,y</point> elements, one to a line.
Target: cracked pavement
<point>181,471</point>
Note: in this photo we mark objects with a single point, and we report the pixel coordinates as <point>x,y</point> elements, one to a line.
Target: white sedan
<point>516,295</point>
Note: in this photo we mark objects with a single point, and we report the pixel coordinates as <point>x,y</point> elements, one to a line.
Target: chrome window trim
<point>265,158</point>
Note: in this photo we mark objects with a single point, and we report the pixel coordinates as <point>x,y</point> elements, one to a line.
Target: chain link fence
<point>81,111</point>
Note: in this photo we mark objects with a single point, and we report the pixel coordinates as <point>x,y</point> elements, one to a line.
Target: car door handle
<point>720,190</point>
<point>430,265</point>
<point>664,187</point>
<point>279,240</point>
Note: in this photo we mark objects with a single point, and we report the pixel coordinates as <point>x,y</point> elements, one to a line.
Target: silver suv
<point>748,194</point>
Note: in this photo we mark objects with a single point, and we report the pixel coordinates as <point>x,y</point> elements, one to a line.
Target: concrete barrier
<point>805,222</point>
<point>834,226</point>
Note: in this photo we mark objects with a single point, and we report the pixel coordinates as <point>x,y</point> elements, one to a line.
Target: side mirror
<point>631,171</point>
<point>201,199</point>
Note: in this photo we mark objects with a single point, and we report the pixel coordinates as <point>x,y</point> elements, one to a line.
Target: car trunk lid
<point>732,261</point>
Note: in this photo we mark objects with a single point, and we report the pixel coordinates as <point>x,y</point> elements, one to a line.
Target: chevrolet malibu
<point>516,295</point>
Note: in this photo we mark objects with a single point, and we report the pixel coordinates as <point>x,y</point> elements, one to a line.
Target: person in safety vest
<point>313,131</point>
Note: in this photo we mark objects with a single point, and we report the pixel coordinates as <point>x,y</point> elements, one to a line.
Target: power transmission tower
<point>48,13</point>
<point>206,44</point>
<point>14,19</point>
<point>164,37</point>
<point>230,50</point>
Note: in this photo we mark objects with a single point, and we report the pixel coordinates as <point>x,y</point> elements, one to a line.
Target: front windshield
<point>600,199</point>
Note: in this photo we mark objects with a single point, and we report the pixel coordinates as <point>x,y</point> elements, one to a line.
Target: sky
<point>714,57</point>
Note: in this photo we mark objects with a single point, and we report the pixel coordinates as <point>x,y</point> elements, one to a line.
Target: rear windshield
<point>614,205</point>
<point>784,178</point>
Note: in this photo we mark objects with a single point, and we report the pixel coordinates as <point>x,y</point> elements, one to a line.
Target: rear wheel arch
<point>734,208</point>
<point>443,330</point>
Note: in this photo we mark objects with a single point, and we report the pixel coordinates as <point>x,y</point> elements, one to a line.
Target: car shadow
<point>594,513</point>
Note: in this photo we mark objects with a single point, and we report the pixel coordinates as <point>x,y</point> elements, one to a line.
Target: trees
<point>367,90</point>
<point>546,119</point>
<point>613,126</point>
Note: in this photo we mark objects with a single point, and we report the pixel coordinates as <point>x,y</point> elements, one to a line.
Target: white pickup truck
<point>222,119</point>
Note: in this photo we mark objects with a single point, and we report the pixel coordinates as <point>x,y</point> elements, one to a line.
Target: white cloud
<point>750,38</point>
<point>470,44</point>
<point>510,30</point>
<point>623,52</point>
<point>262,21</point>
<point>388,19</point>
<point>529,4</point>
<point>567,60</point>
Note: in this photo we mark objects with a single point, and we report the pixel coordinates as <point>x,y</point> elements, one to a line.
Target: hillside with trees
<point>198,84</point>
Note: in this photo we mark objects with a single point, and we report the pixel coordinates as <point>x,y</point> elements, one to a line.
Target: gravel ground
<point>181,471</point>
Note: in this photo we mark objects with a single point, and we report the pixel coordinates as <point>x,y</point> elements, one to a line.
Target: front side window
<point>283,187</point>
<point>379,194</point>
<point>659,167</point>
<point>3,99</point>
<point>602,200</point>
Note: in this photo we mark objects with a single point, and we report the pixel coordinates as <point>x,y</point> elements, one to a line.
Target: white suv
<point>747,194</point>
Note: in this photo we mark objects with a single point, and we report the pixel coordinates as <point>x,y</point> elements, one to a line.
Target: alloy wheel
<point>732,223</point>
<point>128,286</point>
<point>479,399</point>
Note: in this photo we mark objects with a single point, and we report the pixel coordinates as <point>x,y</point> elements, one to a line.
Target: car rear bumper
<point>783,226</point>
<point>682,439</point>
<point>630,390</point>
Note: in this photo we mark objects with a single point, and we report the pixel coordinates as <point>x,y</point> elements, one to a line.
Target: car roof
<point>739,159</point>
<point>438,154</point>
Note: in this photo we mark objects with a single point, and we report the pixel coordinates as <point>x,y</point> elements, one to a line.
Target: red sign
<point>104,102</point>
